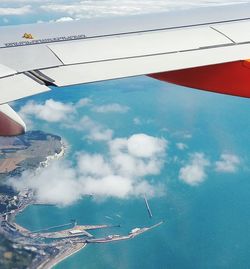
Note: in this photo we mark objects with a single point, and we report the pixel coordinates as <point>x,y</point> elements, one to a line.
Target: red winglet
<point>228,78</point>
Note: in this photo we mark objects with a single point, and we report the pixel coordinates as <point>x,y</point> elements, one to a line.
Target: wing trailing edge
<point>18,86</point>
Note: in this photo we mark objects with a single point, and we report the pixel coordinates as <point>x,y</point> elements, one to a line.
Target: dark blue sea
<point>207,225</point>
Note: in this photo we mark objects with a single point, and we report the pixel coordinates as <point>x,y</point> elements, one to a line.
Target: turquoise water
<point>207,226</point>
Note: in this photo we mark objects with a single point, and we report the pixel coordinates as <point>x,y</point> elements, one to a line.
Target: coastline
<point>43,164</point>
<point>50,264</point>
<point>48,254</point>
<point>55,156</point>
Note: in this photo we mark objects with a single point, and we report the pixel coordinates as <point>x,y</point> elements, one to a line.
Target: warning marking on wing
<point>45,40</point>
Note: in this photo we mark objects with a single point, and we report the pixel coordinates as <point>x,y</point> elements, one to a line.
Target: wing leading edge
<point>195,48</point>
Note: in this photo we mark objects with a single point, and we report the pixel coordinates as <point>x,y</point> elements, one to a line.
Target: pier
<point>147,206</point>
<point>76,231</point>
<point>53,227</point>
<point>111,238</point>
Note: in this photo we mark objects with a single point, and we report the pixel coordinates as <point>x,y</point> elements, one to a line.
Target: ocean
<point>207,225</point>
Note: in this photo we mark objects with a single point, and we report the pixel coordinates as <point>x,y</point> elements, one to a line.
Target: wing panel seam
<point>218,31</point>
<point>150,55</point>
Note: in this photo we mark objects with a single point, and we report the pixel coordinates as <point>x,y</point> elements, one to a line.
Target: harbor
<point>78,230</point>
<point>56,243</point>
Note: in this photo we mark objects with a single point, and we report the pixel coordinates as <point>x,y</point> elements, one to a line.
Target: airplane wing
<point>204,48</point>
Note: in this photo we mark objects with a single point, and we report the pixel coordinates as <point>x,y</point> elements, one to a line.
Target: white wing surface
<point>33,57</point>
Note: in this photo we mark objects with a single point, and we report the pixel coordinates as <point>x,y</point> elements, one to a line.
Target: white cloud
<point>98,174</point>
<point>131,166</point>
<point>51,111</point>
<point>145,146</point>
<point>57,184</point>
<point>112,185</point>
<point>139,145</point>
<point>65,10</point>
<point>141,121</point>
<point>138,155</point>
<point>183,135</point>
<point>10,11</point>
<point>110,108</point>
<point>137,121</point>
<point>83,102</point>
<point>187,136</point>
<point>93,165</point>
<point>96,132</point>
<point>194,172</point>
<point>181,146</point>
<point>65,114</point>
<point>63,19</point>
<point>83,9</point>
<point>228,163</point>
